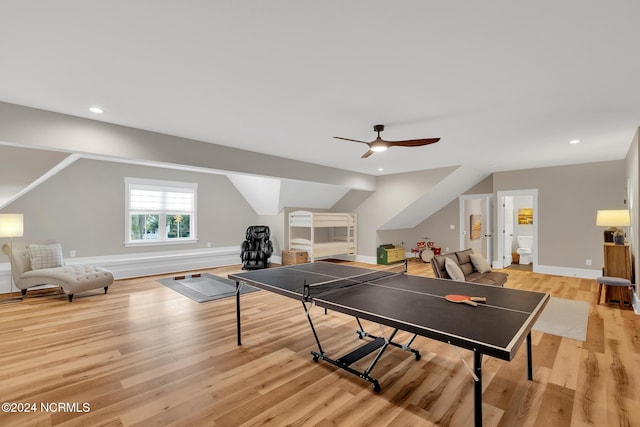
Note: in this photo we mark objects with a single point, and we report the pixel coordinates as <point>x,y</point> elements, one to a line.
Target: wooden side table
<point>617,263</point>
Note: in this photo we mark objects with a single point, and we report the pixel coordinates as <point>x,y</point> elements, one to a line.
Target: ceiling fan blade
<point>348,139</point>
<point>367,154</point>
<point>414,142</point>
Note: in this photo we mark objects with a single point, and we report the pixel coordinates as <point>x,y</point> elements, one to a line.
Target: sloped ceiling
<point>434,198</point>
<point>269,196</point>
<point>22,169</point>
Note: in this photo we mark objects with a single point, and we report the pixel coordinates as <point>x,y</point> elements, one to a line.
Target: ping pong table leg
<point>529,358</point>
<point>477,388</point>
<point>238,313</point>
<point>307,311</point>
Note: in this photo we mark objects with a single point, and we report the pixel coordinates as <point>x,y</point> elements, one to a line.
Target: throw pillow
<point>480,264</point>
<point>45,256</point>
<point>453,270</point>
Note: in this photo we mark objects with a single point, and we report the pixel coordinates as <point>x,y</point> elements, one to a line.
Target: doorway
<point>517,216</point>
<point>476,224</point>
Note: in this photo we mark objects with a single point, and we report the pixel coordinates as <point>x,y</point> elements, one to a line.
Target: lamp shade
<point>613,218</point>
<point>11,225</point>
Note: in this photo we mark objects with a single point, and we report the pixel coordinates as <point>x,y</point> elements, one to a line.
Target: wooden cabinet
<point>617,263</point>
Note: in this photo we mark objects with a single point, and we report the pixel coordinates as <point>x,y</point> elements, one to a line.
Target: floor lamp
<point>11,225</point>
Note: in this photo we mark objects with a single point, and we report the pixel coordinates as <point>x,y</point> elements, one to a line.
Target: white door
<point>507,231</point>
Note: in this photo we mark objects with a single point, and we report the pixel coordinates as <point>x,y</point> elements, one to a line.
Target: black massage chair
<point>256,250</point>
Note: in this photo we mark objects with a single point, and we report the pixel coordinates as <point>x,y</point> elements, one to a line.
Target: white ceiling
<point>505,84</point>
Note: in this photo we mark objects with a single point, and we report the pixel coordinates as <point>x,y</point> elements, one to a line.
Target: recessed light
<point>380,169</point>
<point>96,110</point>
<point>574,141</point>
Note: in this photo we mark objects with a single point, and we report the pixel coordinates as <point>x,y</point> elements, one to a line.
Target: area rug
<point>204,287</point>
<point>565,318</point>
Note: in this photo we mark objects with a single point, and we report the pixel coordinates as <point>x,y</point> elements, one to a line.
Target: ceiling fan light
<point>378,148</point>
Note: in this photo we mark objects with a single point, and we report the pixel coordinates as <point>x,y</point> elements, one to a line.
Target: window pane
<point>178,226</point>
<point>144,226</point>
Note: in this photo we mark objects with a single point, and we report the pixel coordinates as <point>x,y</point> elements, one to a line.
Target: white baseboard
<point>567,271</point>
<point>367,259</point>
<point>150,263</point>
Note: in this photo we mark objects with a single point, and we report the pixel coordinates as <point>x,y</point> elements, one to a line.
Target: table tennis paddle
<point>464,299</point>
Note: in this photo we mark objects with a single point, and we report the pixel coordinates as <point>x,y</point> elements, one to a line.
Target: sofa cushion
<point>453,270</point>
<point>494,278</point>
<point>439,262</point>
<point>463,256</point>
<point>467,268</point>
<point>45,256</point>
<point>480,264</point>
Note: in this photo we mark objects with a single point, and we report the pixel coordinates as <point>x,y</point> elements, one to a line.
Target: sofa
<point>473,267</point>
<point>44,265</point>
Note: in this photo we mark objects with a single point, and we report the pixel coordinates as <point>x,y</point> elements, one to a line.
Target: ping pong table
<point>414,304</point>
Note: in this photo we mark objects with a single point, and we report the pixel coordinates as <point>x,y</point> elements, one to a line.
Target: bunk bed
<point>323,234</point>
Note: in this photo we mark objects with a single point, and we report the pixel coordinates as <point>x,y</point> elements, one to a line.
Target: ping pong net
<point>336,285</point>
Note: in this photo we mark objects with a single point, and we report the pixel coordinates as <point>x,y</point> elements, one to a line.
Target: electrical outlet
<point>72,253</point>
<point>208,244</point>
<point>589,262</point>
<point>446,249</point>
<point>452,227</point>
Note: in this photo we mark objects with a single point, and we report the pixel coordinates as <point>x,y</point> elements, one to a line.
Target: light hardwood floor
<point>145,355</point>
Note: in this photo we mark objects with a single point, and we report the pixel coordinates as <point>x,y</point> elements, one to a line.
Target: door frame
<point>489,229</point>
<point>500,224</point>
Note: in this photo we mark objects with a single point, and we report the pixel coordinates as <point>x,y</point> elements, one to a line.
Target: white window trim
<point>128,181</point>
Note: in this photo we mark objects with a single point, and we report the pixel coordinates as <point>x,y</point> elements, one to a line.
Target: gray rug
<point>205,287</point>
<point>565,318</point>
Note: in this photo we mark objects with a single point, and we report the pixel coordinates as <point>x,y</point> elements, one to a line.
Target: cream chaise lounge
<point>44,265</point>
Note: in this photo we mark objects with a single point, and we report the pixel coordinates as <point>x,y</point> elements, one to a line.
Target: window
<point>159,212</point>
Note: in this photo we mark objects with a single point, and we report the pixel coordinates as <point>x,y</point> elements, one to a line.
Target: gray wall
<point>82,207</point>
<point>568,198</point>
<point>393,194</point>
<point>438,226</point>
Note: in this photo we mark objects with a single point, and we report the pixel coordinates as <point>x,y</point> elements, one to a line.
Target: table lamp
<point>613,219</point>
<point>11,225</point>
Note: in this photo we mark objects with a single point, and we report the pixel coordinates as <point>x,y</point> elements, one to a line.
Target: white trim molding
<point>567,271</point>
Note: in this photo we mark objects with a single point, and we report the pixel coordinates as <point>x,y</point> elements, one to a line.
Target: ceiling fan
<point>380,144</point>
